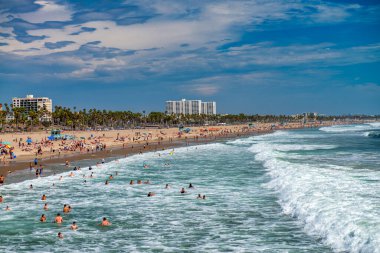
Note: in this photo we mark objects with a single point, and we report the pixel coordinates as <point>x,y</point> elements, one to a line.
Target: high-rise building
<point>190,107</point>
<point>31,103</point>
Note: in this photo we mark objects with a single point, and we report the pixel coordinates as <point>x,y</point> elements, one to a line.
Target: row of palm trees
<point>64,117</point>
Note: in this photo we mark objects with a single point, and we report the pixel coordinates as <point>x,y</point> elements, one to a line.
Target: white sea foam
<point>350,128</point>
<point>334,202</point>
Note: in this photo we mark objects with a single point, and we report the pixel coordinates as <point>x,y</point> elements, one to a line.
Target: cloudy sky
<point>259,56</point>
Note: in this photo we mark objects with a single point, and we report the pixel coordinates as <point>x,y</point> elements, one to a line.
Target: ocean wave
<point>372,134</point>
<point>350,128</point>
<point>334,204</point>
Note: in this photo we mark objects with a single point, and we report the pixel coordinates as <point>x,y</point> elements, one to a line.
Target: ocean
<point>307,190</point>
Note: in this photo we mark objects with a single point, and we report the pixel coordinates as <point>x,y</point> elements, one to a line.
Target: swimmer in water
<point>43,197</point>
<point>31,186</point>
<point>66,208</point>
<point>139,182</point>
<point>131,182</point>
<point>105,222</point>
<point>74,226</point>
<point>92,175</point>
<point>89,168</point>
<point>60,178</point>
<point>204,197</point>
<point>183,190</point>
<point>167,186</point>
<point>43,218</point>
<point>106,182</point>
<point>67,163</point>
<point>1,199</point>
<point>58,219</point>
<point>199,196</point>
<point>60,235</point>
<point>111,177</point>
<point>191,186</point>
<point>151,194</point>
<point>7,208</point>
<point>46,206</point>
<point>147,182</point>
<point>71,174</point>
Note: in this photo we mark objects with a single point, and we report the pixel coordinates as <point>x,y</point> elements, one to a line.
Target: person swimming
<point>199,196</point>
<point>71,174</point>
<point>60,235</point>
<point>103,161</point>
<point>7,208</point>
<point>131,182</point>
<point>67,163</point>
<point>105,222</point>
<point>111,177</point>
<point>58,219</point>
<point>191,186</point>
<point>43,218</point>
<point>89,168</point>
<point>167,186</point>
<point>183,190</point>
<point>139,182</point>
<point>43,197</point>
<point>204,197</point>
<point>60,178</point>
<point>74,226</point>
<point>31,186</point>
<point>106,182</point>
<point>1,199</point>
<point>46,206</point>
<point>151,194</point>
<point>66,208</point>
<point>147,182</point>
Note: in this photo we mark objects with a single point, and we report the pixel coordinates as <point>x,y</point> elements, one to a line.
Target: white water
<point>336,203</point>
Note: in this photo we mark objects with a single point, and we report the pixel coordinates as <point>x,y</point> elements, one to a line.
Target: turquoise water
<point>314,190</point>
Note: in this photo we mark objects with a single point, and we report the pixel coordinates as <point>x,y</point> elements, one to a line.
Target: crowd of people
<point>59,219</point>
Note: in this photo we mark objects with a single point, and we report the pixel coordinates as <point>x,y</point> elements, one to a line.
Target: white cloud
<point>49,11</point>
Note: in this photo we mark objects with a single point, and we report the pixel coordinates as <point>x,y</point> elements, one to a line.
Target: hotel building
<point>190,107</point>
<point>31,103</point>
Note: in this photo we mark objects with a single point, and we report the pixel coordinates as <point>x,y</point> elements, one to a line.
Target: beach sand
<point>118,143</point>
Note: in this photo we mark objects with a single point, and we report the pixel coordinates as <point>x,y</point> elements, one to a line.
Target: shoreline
<point>126,149</point>
<point>117,152</point>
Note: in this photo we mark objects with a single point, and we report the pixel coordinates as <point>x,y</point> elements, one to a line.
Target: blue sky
<point>259,56</point>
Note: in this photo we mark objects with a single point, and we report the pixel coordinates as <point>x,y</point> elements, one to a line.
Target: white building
<point>190,107</point>
<point>31,103</point>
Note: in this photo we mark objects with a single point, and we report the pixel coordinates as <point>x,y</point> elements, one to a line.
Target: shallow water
<point>290,191</point>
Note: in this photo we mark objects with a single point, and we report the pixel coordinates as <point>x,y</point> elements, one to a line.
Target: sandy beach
<point>101,144</point>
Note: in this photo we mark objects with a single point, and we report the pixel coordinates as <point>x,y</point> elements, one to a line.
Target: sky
<point>259,56</point>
